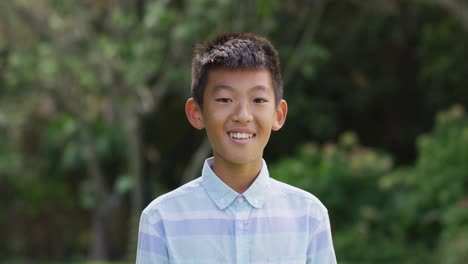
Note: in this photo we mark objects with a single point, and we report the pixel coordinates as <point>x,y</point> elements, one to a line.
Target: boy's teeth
<point>240,135</point>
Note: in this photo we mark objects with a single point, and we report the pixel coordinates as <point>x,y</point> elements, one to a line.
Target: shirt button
<point>240,200</point>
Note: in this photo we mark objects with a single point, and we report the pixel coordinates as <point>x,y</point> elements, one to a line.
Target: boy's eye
<point>223,100</point>
<point>259,100</point>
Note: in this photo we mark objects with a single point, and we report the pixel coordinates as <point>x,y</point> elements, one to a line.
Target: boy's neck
<point>238,177</point>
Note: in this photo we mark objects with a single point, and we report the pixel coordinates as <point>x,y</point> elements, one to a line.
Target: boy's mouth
<point>238,135</point>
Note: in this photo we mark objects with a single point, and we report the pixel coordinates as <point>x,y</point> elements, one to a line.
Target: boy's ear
<point>194,114</point>
<point>281,112</point>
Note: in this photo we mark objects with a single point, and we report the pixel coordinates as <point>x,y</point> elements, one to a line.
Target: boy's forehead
<point>230,79</point>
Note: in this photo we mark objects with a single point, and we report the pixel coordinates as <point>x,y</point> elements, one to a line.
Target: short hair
<point>234,51</point>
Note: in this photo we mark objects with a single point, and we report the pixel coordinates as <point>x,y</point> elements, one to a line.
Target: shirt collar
<point>222,195</point>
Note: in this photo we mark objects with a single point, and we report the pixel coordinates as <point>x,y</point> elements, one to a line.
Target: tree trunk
<point>132,129</point>
<point>99,245</point>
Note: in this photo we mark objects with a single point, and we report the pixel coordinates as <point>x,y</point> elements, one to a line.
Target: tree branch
<point>38,25</point>
<point>308,34</point>
<point>456,8</point>
<point>197,158</point>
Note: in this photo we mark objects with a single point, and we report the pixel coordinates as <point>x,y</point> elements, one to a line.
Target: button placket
<point>241,212</point>
<point>242,224</point>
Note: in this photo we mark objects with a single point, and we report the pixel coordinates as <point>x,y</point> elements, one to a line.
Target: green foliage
<point>384,214</point>
<point>435,190</point>
<point>381,70</point>
<point>345,176</point>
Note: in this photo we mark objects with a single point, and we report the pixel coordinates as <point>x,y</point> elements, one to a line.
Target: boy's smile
<point>239,113</point>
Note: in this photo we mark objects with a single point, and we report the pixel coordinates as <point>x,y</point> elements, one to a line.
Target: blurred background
<point>92,123</point>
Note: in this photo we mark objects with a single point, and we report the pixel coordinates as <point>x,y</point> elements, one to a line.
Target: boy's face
<point>239,113</point>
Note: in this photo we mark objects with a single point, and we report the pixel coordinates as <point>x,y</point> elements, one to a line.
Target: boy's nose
<point>242,113</point>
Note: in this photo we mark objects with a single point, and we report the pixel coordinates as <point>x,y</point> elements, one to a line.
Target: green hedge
<point>382,213</point>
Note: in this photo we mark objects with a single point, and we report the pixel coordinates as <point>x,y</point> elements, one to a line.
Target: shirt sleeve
<point>152,247</point>
<point>320,248</point>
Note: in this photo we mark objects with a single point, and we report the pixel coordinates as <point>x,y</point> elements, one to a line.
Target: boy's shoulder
<point>297,194</point>
<point>184,192</point>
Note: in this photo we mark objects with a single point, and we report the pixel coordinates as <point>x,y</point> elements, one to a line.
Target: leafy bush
<point>380,213</point>
<point>433,195</point>
<point>345,177</point>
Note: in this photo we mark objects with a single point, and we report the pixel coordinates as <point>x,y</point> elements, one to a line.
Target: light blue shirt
<point>205,221</point>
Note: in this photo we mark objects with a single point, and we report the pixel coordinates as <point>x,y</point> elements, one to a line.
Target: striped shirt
<point>205,221</point>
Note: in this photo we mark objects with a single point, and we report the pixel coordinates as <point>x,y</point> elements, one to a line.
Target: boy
<point>234,212</point>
